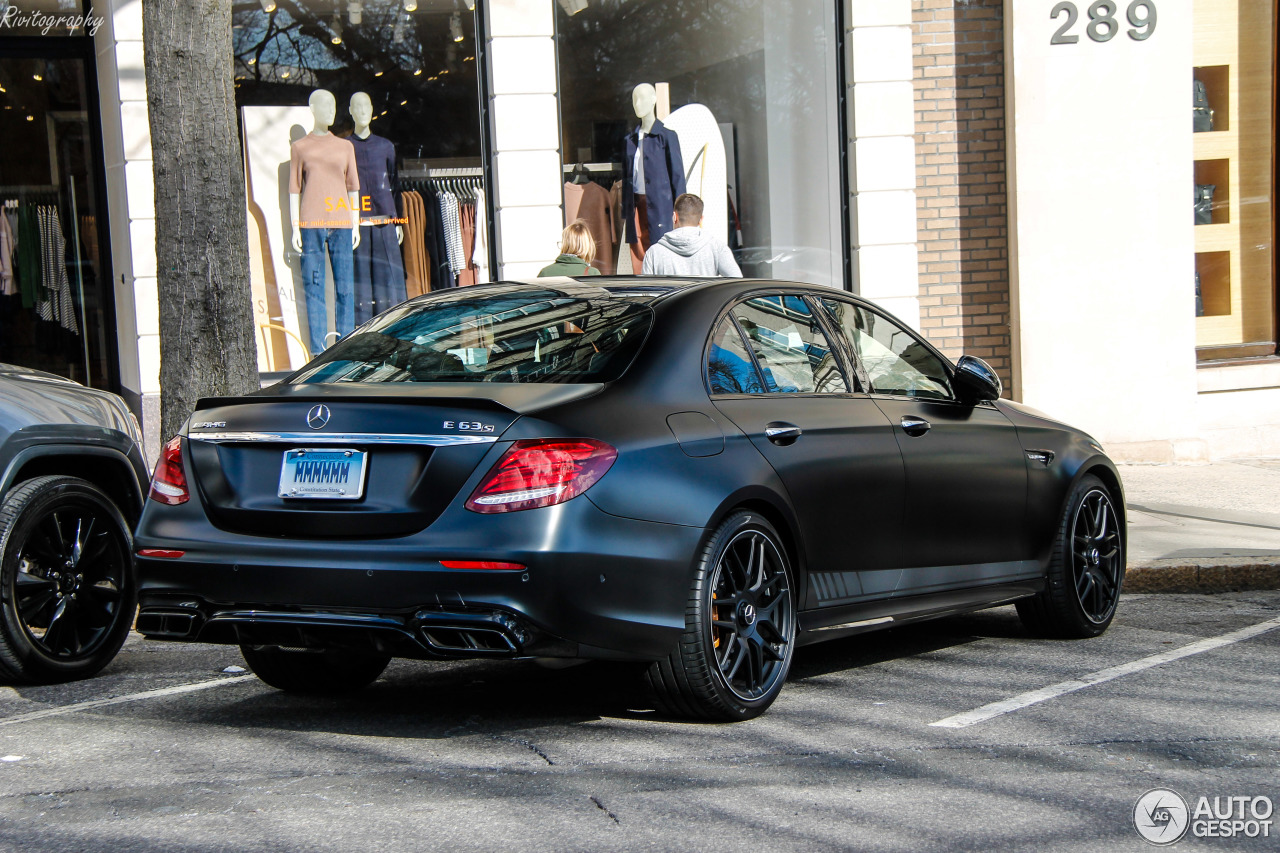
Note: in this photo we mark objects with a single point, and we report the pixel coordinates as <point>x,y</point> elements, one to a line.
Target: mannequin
<point>652,176</point>
<point>324,209</point>
<point>379,266</point>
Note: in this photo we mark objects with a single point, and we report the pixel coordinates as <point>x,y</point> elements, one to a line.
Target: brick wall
<point>958,51</point>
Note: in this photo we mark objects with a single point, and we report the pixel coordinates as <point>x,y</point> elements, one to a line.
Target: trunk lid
<point>420,446</point>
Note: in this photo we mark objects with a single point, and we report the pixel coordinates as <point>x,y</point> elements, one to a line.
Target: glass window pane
<point>54,284</point>
<point>794,354</point>
<point>729,366</point>
<point>517,336</point>
<point>395,146</point>
<point>896,362</point>
<point>752,87</point>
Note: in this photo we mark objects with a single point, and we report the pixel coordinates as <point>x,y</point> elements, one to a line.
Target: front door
<point>966,471</point>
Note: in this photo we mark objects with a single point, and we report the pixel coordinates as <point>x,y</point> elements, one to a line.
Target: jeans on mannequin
<point>314,243</point>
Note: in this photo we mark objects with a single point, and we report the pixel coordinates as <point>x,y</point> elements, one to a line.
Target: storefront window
<point>55,297</point>
<point>734,101</point>
<point>1234,123</point>
<point>362,141</point>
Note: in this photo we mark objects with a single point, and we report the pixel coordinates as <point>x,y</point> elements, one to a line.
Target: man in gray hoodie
<point>686,250</point>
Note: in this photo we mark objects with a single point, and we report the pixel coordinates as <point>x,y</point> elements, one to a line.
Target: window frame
<point>865,377</point>
<point>836,341</point>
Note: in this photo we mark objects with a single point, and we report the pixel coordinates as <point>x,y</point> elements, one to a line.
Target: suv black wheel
<point>67,594</point>
<point>314,670</point>
<point>740,627</point>
<point>1086,568</point>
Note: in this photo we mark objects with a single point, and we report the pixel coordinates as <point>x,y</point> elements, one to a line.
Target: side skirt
<point>834,622</point>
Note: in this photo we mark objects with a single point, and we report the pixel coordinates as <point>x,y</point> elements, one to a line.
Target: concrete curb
<point>1224,574</point>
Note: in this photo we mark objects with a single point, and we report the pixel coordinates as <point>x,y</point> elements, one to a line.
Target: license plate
<point>325,473</point>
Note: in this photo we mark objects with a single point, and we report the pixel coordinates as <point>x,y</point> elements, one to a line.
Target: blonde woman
<point>577,251</point>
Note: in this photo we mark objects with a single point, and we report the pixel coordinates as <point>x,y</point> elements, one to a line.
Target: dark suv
<point>72,482</point>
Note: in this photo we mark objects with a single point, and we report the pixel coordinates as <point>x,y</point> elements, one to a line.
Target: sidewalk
<point>1203,528</point>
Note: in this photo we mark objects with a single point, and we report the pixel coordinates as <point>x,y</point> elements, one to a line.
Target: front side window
<point>895,360</point>
<point>793,352</point>
<point>517,336</point>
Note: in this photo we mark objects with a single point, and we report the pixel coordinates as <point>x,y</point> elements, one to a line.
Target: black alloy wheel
<point>1095,557</point>
<point>740,630</point>
<point>66,575</point>
<point>1086,568</point>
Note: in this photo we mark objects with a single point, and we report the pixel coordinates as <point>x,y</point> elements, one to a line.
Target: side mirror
<point>976,381</point>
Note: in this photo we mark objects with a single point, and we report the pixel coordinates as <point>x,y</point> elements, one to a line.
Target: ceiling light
<point>378,73</point>
<point>355,12</point>
<point>411,5</point>
<point>573,7</point>
<point>417,73</point>
<point>37,78</point>
<point>471,5</point>
<point>336,26</point>
<point>31,118</point>
<point>253,61</point>
<point>268,6</point>
<point>404,103</point>
<point>285,75</point>
<point>455,26</point>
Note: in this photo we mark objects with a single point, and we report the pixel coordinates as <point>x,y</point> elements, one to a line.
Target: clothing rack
<point>594,168</point>
<point>464,183</point>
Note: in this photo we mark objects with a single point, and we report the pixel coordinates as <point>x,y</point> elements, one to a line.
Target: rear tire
<point>314,671</point>
<point>67,591</point>
<point>740,628</point>
<point>1086,568</point>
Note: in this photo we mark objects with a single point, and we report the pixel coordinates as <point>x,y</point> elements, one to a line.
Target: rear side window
<point>793,352</point>
<point>513,336</point>
<point>729,367</point>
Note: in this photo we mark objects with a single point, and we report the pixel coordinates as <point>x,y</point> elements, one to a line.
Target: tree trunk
<point>207,343</point>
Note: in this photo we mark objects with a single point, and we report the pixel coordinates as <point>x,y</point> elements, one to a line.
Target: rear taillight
<point>541,472</point>
<point>169,483</point>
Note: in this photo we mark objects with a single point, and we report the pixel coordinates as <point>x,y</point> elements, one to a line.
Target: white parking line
<point>120,700</point>
<point>1022,700</point>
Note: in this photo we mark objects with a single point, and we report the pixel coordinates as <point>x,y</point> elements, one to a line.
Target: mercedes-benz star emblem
<point>318,417</point>
<point>748,615</point>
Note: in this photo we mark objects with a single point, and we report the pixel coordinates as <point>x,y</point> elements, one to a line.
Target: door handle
<point>915,426</point>
<point>782,433</point>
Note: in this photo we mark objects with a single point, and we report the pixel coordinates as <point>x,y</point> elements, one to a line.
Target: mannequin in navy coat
<point>663,171</point>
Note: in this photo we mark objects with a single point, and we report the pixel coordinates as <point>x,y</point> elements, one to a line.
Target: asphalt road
<point>514,757</point>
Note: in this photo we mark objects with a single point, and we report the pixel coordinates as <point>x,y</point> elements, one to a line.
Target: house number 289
<point>1103,24</point>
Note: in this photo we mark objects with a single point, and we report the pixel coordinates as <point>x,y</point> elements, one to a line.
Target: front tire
<point>1086,568</point>
<point>740,627</point>
<point>314,670</point>
<point>67,593</point>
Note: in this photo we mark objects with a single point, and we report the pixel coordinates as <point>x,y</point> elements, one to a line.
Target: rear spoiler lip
<point>425,394</point>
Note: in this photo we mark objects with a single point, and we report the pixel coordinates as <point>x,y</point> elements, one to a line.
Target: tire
<point>740,628</point>
<point>1086,568</point>
<point>67,589</point>
<point>314,671</point>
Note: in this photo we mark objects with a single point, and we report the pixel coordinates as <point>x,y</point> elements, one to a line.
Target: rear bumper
<point>595,585</point>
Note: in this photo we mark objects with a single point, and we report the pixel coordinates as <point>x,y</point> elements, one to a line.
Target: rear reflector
<point>160,553</point>
<point>541,472</point>
<point>482,564</point>
<point>169,483</point>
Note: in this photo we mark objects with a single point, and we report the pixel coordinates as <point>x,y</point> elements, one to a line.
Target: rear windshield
<point>528,335</point>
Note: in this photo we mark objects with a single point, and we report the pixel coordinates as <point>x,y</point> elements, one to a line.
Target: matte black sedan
<point>698,474</point>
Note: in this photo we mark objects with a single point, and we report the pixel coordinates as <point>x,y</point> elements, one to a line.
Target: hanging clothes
<point>30,273</point>
<point>480,257</point>
<point>452,231</point>
<point>417,279</point>
<point>8,241</point>
<point>572,201</point>
<point>594,210</point>
<point>56,305</point>
<point>467,219</point>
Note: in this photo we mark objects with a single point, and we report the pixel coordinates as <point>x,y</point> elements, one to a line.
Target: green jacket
<point>568,265</point>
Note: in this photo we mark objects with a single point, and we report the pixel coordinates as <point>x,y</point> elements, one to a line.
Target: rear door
<point>966,472</point>
<point>772,370</point>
